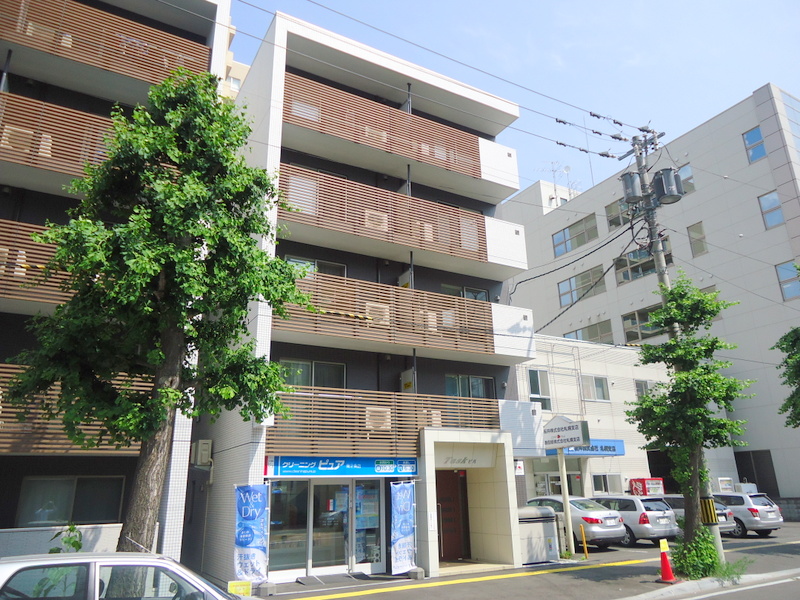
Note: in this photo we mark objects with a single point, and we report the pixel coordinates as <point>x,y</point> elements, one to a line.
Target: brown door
<point>451,499</point>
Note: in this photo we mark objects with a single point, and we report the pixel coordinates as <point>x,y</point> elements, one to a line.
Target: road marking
<point>744,588</point>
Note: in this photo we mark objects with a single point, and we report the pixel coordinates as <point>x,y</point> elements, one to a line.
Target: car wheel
<point>739,530</point>
<point>764,532</point>
<point>629,541</point>
<point>656,542</point>
<point>603,545</point>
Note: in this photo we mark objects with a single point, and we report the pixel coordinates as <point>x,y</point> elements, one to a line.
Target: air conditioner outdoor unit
<point>378,418</point>
<point>200,453</point>
<point>378,313</point>
<point>16,138</point>
<point>423,230</point>
<point>375,220</point>
<point>375,135</point>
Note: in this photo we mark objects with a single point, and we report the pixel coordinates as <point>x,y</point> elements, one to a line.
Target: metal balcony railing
<point>344,422</point>
<point>334,203</point>
<point>325,109</point>
<point>94,37</point>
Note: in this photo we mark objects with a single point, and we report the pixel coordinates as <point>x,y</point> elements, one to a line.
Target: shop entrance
<point>451,509</point>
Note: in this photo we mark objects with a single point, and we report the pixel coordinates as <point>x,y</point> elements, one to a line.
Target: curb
<point>711,583</point>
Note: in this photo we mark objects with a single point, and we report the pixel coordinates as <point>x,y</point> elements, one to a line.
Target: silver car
<point>724,514</point>
<point>92,576</point>
<point>645,517</point>
<point>601,526</point>
<point>752,512</point>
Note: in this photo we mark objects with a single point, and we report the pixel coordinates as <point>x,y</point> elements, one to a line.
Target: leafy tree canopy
<point>163,256</point>
<point>789,344</point>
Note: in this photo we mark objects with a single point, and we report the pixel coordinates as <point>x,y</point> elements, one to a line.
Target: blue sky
<point>671,66</point>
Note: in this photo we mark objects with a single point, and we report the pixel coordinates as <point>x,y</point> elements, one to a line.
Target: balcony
<point>327,122</point>
<point>74,34</point>
<point>374,317</point>
<point>22,288</point>
<point>337,422</point>
<point>38,435</point>
<point>50,142</point>
<point>355,217</point>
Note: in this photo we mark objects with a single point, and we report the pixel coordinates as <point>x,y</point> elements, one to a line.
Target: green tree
<point>789,344</point>
<point>688,414</point>
<point>163,256</point>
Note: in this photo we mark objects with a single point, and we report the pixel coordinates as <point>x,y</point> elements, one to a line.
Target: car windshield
<point>675,502</point>
<point>586,504</point>
<point>762,500</point>
<point>655,504</point>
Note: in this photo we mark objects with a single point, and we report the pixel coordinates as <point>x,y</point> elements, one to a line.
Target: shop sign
<point>562,432</point>
<point>458,455</point>
<point>252,533</point>
<point>595,448</point>
<point>331,466</point>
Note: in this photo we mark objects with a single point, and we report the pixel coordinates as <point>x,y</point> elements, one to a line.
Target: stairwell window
<point>697,239</point>
<point>636,324</point>
<point>687,178</point>
<point>754,144</point>
<point>540,388</point>
<point>771,210</point>
<point>596,332</point>
<point>639,263</point>
<point>582,285</point>
<point>594,388</point>
<point>576,235</point>
<point>788,279</point>
<point>618,214</point>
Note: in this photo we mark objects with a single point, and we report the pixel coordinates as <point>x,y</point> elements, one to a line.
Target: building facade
<point>735,230</point>
<point>65,64</point>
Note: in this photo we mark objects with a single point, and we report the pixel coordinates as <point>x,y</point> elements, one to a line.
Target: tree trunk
<point>139,528</point>
<point>692,502</point>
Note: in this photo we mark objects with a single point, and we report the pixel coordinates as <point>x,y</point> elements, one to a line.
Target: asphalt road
<point>610,574</point>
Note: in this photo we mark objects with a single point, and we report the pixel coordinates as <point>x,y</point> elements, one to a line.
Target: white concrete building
<point>737,230</point>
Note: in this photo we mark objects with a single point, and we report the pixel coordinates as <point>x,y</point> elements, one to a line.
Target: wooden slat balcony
<point>21,265</point>
<point>45,136</point>
<point>334,112</point>
<point>363,311</point>
<point>333,203</point>
<point>343,422</point>
<point>38,435</point>
<point>100,39</point>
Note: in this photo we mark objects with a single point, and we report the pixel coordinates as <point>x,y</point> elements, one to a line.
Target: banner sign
<point>562,432</point>
<point>331,466</point>
<point>594,448</point>
<point>251,546</point>
<point>403,530</point>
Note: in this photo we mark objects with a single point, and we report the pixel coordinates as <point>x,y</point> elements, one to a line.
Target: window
<point>319,266</point>
<point>145,582</point>
<point>771,210</point>
<point>697,239</point>
<point>234,83</point>
<point>607,484</point>
<point>594,388</point>
<point>60,580</point>
<point>575,235</point>
<point>469,386</point>
<point>687,178</point>
<point>465,292</point>
<point>754,143</point>
<point>597,332</point>
<point>48,501</point>
<point>582,285</point>
<point>540,388</point>
<point>642,387</point>
<point>639,263</point>
<point>618,214</point>
<point>635,324</point>
<point>314,373</point>
<point>787,277</point>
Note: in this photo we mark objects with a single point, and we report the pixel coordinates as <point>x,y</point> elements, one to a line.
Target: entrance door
<point>331,504</point>
<point>451,504</point>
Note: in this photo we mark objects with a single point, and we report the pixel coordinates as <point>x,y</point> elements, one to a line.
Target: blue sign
<point>314,466</point>
<point>403,528</point>
<point>595,448</point>
<point>251,541</point>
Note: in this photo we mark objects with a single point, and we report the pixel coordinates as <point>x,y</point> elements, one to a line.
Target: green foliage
<point>731,573</point>
<point>697,558</point>
<point>163,256</point>
<point>70,538</point>
<point>789,344</point>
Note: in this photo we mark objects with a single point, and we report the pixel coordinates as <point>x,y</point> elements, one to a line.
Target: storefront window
<point>288,540</point>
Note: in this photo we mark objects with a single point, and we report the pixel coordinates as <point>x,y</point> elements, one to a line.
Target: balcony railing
<point>21,266</point>
<point>319,107</point>
<point>37,435</point>
<point>46,136</point>
<point>337,204</point>
<point>94,37</point>
<point>364,310</point>
<point>338,422</point>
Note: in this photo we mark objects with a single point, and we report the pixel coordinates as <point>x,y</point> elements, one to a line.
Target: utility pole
<point>646,198</point>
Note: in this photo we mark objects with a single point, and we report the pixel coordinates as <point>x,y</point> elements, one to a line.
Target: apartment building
<point>394,175</point>
<point>65,64</point>
<point>735,230</point>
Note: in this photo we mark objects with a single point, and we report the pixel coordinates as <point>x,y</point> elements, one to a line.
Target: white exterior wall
<point>740,260</point>
<point>505,243</point>
<point>498,163</point>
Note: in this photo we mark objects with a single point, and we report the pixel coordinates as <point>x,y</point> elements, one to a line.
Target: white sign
<point>456,455</point>
<point>562,432</point>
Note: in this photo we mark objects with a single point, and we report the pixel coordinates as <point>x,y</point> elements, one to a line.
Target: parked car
<point>89,575</point>
<point>601,526</point>
<point>645,517</point>
<point>752,512</point>
<point>724,514</point>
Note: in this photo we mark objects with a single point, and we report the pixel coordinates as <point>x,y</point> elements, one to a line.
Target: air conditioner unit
<point>46,145</point>
<point>378,418</point>
<point>305,110</point>
<point>434,417</point>
<point>375,135</point>
<point>427,319</point>
<point>376,220</point>
<point>379,314</point>
<point>200,453</point>
<point>16,138</point>
<point>423,230</point>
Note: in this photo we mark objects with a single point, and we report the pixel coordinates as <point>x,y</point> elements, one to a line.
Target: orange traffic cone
<point>667,576</point>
